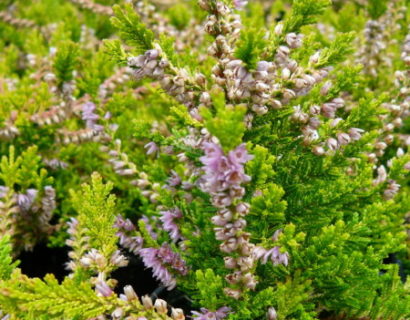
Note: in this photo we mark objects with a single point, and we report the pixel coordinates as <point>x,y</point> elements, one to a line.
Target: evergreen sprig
<point>131,29</point>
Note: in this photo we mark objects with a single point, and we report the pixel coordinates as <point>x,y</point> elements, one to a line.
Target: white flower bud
<point>318,150</point>
<point>279,29</point>
<point>272,315</point>
<point>177,314</point>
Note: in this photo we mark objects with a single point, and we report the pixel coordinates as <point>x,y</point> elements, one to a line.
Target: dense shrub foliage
<point>254,156</point>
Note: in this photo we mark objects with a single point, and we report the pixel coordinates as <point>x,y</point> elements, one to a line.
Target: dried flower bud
<point>332,144</point>
<point>130,294</point>
<point>161,306</point>
<point>343,138</point>
<point>177,314</point>
<point>147,302</point>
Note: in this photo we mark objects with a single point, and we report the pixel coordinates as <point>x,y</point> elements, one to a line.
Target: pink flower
<point>25,201</point>
<point>103,289</point>
<point>90,117</point>
<point>239,4</point>
<point>125,234</point>
<point>151,147</point>
<point>224,173</point>
<point>174,180</point>
<point>161,261</point>
<point>168,222</point>
<point>205,314</point>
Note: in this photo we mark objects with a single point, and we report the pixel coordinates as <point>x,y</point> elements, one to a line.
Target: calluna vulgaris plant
<point>253,155</point>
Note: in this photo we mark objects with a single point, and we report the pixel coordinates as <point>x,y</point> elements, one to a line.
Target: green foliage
<point>226,124</point>
<point>131,29</point>
<point>179,16</point>
<point>376,8</point>
<point>313,193</point>
<point>23,170</point>
<point>304,12</point>
<point>65,62</point>
<point>96,214</point>
<point>209,288</point>
<point>115,51</point>
<point>249,47</point>
<point>37,299</point>
<point>6,263</point>
<point>337,51</point>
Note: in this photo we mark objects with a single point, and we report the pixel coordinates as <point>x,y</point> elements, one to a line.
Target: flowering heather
<point>224,173</point>
<point>169,218</point>
<point>163,262</point>
<point>241,160</point>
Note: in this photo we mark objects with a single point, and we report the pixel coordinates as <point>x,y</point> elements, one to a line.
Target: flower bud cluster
<point>26,215</point>
<point>149,64</point>
<point>9,131</point>
<point>162,261</point>
<point>272,84</point>
<point>221,20</point>
<point>375,44</point>
<point>78,136</point>
<point>54,115</point>
<point>94,260</point>
<point>398,109</point>
<point>48,205</point>
<point>175,81</point>
<point>223,179</point>
<point>377,38</point>
<point>392,189</point>
<point>124,167</point>
<point>19,23</point>
<point>311,122</point>
<point>94,7</point>
<point>119,160</point>
<point>55,164</point>
<point>405,51</point>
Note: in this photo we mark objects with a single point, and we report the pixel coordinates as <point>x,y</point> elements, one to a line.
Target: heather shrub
<point>253,156</point>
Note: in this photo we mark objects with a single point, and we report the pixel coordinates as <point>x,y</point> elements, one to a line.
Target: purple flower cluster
<point>125,233</point>
<point>168,218</point>
<point>174,180</point>
<point>25,201</point>
<point>90,117</point>
<point>205,314</point>
<point>160,261</point>
<point>149,64</point>
<point>224,174</point>
<point>223,179</point>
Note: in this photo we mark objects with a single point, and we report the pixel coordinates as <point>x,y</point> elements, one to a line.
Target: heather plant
<point>254,157</point>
